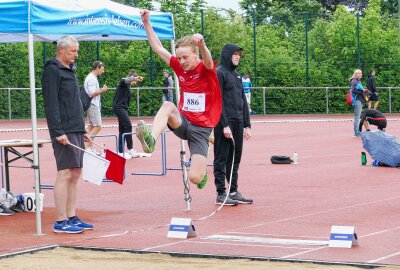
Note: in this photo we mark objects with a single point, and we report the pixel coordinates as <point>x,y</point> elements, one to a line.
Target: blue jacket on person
<point>247,85</point>
<point>357,89</point>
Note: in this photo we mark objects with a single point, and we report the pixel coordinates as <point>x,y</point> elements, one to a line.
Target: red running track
<point>291,202</point>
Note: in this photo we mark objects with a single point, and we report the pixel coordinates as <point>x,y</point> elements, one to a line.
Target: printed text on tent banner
<point>181,228</point>
<point>343,237</point>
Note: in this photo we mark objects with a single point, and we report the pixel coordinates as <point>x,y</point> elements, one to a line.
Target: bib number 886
<point>191,101</point>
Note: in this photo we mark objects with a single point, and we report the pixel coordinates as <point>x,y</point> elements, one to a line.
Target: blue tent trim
<point>13,17</point>
<point>104,22</point>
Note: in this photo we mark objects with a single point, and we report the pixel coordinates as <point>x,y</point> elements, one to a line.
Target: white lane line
<point>253,122</point>
<point>42,128</point>
<point>384,258</point>
<point>248,245</point>
<point>359,237</point>
<point>113,235</point>
<point>165,245</point>
<point>297,217</point>
<point>279,235</point>
<point>96,237</point>
<point>321,212</point>
<point>226,244</point>
<point>279,241</point>
<point>301,253</point>
<point>308,120</point>
<point>299,121</point>
<point>380,232</point>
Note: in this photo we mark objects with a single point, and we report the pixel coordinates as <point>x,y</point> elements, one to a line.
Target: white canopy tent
<point>88,20</point>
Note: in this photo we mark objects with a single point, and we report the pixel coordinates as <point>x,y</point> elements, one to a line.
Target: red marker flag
<point>116,169</point>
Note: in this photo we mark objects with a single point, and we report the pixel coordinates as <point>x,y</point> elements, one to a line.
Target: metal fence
<point>14,102</point>
<point>315,100</point>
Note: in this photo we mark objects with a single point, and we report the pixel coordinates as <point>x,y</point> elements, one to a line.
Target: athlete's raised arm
<point>154,41</point>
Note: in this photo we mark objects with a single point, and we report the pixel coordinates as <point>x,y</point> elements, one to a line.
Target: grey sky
<point>232,4</point>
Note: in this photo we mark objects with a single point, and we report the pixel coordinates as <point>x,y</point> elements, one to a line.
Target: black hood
<point>52,61</point>
<point>226,55</point>
<point>55,61</point>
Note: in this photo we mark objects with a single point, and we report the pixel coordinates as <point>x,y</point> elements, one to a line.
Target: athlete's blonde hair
<point>187,41</point>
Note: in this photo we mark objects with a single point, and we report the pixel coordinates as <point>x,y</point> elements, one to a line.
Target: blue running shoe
<point>81,224</point>
<point>66,227</point>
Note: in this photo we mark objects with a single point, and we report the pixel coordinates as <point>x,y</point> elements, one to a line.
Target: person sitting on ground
<point>200,102</point>
<point>373,117</point>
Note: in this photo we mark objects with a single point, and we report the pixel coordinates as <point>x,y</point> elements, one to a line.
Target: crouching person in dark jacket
<point>234,124</point>
<point>372,117</point>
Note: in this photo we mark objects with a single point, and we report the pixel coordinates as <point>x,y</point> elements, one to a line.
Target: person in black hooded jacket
<point>234,123</point>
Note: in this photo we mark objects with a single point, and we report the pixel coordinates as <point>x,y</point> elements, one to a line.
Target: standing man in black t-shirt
<point>371,86</point>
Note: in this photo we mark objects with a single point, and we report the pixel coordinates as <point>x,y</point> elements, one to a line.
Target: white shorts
<point>248,97</point>
<point>94,115</point>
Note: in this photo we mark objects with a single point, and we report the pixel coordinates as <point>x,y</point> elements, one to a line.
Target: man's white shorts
<point>248,97</point>
<point>94,115</point>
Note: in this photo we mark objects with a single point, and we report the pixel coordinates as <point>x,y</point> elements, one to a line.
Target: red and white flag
<point>94,168</point>
<point>116,170</point>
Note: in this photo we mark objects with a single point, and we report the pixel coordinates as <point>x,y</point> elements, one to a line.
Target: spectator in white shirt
<point>93,89</point>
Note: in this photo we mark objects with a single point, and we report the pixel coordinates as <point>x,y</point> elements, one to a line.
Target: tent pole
<point>35,165</point>
<point>183,153</point>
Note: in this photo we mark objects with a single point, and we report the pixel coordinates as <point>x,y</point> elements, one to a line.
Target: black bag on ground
<point>85,99</point>
<point>281,160</point>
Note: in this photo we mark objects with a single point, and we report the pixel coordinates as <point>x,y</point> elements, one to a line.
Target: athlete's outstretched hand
<point>199,39</point>
<point>145,15</point>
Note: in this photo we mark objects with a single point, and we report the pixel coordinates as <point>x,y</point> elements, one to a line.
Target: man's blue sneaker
<point>81,224</point>
<point>66,227</point>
